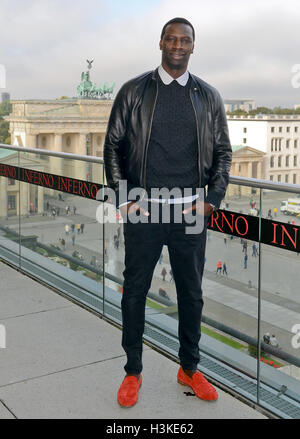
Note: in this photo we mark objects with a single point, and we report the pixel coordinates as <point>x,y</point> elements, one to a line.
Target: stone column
<point>56,164</point>
<point>259,170</point>
<point>95,169</point>
<point>100,147</point>
<point>236,169</point>
<point>92,144</point>
<point>249,174</point>
<point>247,190</point>
<point>80,167</point>
<point>31,140</point>
<point>81,144</point>
<point>58,142</point>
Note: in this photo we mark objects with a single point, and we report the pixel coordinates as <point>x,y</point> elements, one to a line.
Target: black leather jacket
<point>129,129</point>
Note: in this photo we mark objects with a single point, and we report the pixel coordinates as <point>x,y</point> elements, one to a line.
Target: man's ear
<point>160,45</point>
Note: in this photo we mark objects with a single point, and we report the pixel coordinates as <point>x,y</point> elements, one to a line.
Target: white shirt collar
<point>167,79</point>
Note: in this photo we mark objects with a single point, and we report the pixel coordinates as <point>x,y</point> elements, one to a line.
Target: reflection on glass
<point>10,206</point>
<point>62,243</point>
<point>62,228</point>
<point>280,296</point>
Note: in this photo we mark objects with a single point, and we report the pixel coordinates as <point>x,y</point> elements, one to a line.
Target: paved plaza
<point>62,361</point>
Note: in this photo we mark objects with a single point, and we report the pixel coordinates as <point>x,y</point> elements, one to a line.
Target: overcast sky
<point>245,48</point>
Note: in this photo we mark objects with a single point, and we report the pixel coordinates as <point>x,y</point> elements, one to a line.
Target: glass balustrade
<point>52,227</point>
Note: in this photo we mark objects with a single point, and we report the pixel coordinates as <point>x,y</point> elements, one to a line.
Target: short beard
<point>172,66</point>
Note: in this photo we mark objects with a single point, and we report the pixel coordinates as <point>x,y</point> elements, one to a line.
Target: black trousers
<point>143,246</point>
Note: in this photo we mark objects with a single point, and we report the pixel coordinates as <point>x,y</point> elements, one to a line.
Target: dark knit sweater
<point>172,152</point>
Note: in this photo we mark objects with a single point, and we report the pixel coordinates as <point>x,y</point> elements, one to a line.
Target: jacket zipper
<point>149,134</point>
<point>198,138</point>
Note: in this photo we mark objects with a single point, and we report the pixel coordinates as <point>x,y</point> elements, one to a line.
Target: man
<point>167,129</point>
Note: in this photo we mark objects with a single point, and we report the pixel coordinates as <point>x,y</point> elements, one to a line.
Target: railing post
<point>259,299</point>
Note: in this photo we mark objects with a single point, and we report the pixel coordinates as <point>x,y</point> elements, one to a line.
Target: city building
<point>76,126</point>
<point>32,196</point>
<point>277,136</point>
<point>4,97</point>
<point>239,104</point>
<point>246,162</point>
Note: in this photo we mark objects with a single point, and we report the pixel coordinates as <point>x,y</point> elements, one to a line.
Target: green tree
<point>237,113</point>
<point>264,110</point>
<point>5,109</point>
<point>4,133</point>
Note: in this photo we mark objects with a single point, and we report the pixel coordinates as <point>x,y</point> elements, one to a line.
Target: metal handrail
<point>241,181</point>
<point>265,184</point>
<point>62,155</point>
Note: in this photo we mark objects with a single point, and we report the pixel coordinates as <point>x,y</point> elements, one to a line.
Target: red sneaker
<point>128,392</point>
<point>201,387</point>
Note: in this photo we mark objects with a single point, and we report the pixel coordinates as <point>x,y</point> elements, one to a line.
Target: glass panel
<point>62,241</point>
<point>280,357</point>
<point>230,284</point>
<point>114,261</point>
<point>62,228</point>
<point>10,205</point>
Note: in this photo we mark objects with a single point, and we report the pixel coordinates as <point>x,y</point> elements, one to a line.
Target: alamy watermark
<point>166,205</point>
<point>2,76</point>
<point>296,338</point>
<point>296,77</point>
<point>2,337</point>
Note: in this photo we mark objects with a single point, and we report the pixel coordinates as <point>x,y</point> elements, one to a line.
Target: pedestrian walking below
<point>116,242</point>
<point>78,228</point>
<point>82,227</point>
<point>163,273</point>
<point>273,341</point>
<point>219,267</point>
<point>245,261</point>
<point>254,250</point>
<point>73,227</point>
<point>67,229</point>
<point>63,243</point>
<point>53,213</point>
<point>73,239</point>
<point>225,268</point>
<point>74,210</point>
